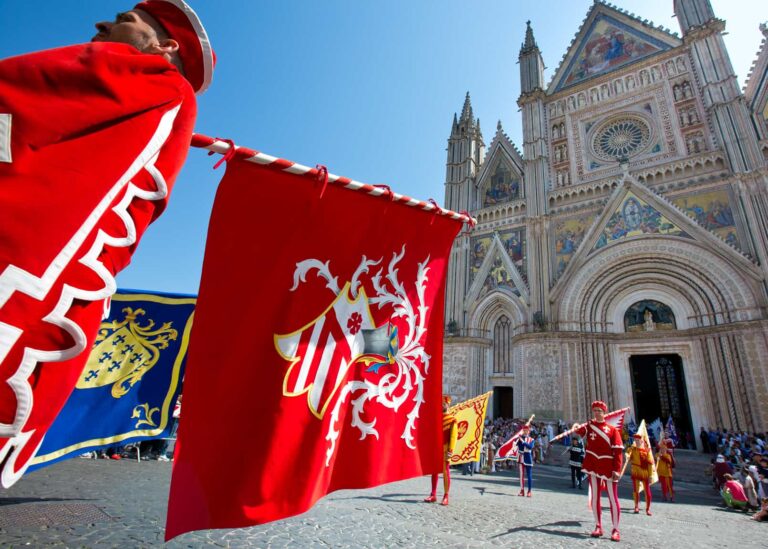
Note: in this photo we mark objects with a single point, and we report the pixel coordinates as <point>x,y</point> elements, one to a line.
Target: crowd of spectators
<point>739,469</point>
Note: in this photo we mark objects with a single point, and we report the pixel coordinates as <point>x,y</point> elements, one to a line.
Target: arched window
<point>502,346</point>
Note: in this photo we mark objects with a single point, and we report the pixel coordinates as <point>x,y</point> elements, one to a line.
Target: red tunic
<point>604,450</point>
<point>91,140</point>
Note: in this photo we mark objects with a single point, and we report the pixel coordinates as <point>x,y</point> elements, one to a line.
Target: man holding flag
<point>92,137</point>
<point>643,469</point>
<point>602,464</point>
<point>525,459</point>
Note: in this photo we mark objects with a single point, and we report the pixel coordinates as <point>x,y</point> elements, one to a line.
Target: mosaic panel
<point>609,44</point>
<point>635,217</point>
<point>568,236</point>
<point>503,187</point>
<point>712,210</point>
<point>514,243</point>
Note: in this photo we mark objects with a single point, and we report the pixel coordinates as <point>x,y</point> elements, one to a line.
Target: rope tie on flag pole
<point>472,221</point>
<point>322,177</point>
<point>387,191</point>
<point>436,211</point>
<point>227,156</point>
<point>230,151</point>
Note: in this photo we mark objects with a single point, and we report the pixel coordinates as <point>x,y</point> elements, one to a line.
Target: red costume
<point>450,435</point>
<point>92,140</point>
<point>642,470</point>
<point>603,459</point>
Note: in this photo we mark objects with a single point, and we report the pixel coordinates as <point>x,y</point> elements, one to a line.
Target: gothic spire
<point>466,111</point>
<point>530,41</point>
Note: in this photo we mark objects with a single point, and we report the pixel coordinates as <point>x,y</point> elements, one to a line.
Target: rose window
<point>621,138</point>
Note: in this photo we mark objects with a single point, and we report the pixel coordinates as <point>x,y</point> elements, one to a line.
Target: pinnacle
<point>530,41</point>
<point>466,111</point>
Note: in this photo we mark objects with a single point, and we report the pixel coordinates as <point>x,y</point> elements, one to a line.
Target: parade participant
<point>602,464</point>
<point>450,434</point>
<point>575,461</point>
<point>92,138</point>
<point>666,463</point>
<point>525,459</point>
<point>641,459</point>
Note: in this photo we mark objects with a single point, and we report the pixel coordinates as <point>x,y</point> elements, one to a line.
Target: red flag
<point>316,355</point>
<point>508,450</point>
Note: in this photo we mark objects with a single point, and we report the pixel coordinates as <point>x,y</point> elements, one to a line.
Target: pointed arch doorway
<point>659,390</point>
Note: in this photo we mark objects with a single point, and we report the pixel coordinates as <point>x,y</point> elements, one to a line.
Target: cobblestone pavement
<point>88,503</point>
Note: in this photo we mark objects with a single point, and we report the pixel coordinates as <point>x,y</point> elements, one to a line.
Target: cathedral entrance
<point>502,402</point>
<point>658,386</point>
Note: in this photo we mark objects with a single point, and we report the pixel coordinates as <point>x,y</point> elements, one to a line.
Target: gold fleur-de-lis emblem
<point>124,351</point>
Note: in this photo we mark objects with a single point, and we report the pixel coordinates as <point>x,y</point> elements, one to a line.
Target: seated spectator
<point>762,514</point>
<point>733,494</point>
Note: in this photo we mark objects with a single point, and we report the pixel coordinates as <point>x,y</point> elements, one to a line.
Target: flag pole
<point>230,150</point>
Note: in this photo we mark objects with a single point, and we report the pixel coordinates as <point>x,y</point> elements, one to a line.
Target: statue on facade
<point>648,318</point>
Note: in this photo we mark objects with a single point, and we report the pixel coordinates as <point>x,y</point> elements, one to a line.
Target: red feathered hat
<point>599,404</point>
<point>183,25</point>
<point>638,436</point>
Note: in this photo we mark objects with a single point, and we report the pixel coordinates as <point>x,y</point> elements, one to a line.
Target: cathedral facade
<point>622,254</point>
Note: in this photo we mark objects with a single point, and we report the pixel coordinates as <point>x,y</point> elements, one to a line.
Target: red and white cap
<point>600,404</point>
<point>183,25</point>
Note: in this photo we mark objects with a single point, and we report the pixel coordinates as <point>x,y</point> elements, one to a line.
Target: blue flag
<point>131,381</point>
<point>671,431</point>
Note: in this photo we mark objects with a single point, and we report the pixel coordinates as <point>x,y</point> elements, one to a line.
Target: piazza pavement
<point>104,503</point>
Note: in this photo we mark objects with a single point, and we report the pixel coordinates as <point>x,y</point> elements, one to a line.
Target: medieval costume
<point>525,460</point>
<point>91,140</point>
<point>641,459</point>
<point>602,463</point>
<point>450,434</point>
<point>666,463</point>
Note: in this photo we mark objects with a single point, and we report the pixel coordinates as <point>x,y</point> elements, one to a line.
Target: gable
<point>503,184</point>
<point>497,262</point>
<point>633,211</point>
<point>634,217</point>
<point>606,45</point>
<point>500,178</point>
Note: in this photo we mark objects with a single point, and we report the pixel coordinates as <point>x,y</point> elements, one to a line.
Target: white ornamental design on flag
<point>322,352</point>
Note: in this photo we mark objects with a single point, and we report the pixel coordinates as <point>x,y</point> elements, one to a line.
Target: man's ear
<point>167,46</point>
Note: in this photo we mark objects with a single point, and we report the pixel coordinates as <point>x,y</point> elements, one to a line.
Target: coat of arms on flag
<point>321,353</point>
<point>334,349</point>
<point>470,422</point>
<point>131,380</point>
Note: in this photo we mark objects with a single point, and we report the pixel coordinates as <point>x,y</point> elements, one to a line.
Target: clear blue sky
<point>367,88</point>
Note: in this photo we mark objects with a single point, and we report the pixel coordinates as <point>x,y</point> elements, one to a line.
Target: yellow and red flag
<point>470,420</point>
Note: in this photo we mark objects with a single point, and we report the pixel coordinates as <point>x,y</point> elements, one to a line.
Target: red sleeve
<point>618,450</point>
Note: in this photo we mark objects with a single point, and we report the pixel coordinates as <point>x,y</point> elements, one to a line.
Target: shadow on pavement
<point>17,501</point>
<point>544,530</point>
